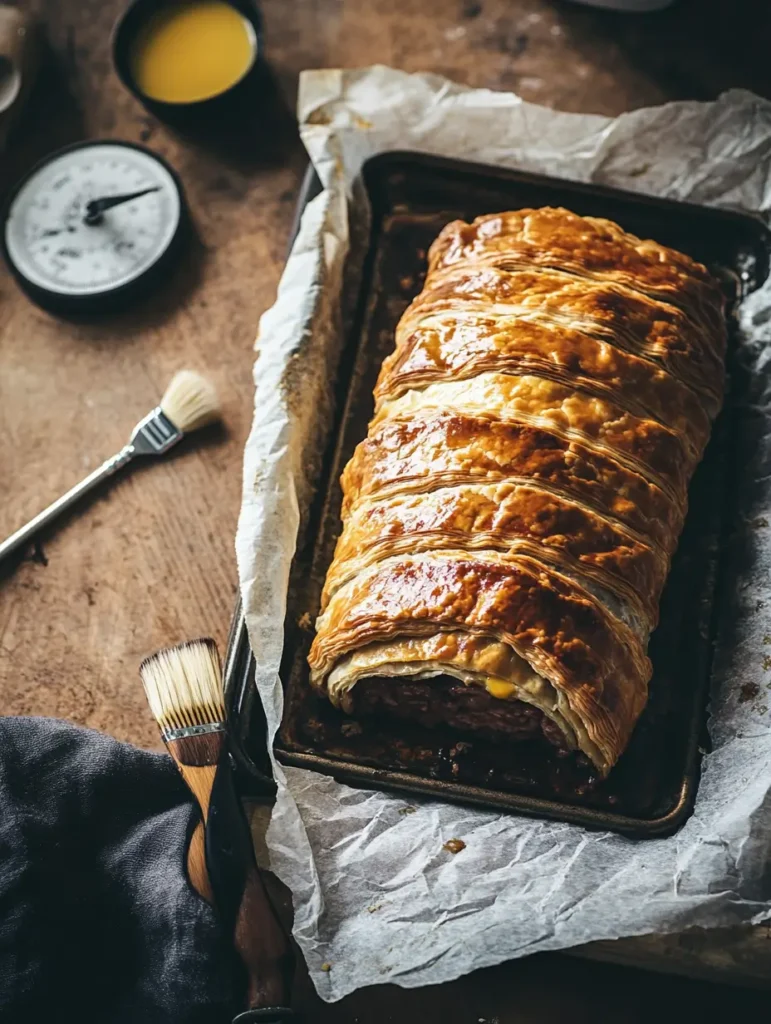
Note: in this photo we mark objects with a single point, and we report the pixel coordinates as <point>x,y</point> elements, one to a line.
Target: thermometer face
<point>92,220</point>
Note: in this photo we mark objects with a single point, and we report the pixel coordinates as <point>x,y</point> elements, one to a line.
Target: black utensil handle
<point>268,1015</point>
<point>229,849</point>
<point>247,726</point>
<point>240,896</point>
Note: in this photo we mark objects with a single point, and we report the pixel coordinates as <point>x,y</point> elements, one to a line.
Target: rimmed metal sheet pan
<point>652,789</point>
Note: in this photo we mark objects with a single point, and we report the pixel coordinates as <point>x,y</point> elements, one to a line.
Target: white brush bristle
<point>184,685</point>
<point>190,401</point>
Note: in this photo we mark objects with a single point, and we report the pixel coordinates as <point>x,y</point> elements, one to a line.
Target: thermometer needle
<point>96,207</point>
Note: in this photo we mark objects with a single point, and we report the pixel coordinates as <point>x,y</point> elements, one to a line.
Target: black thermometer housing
<point>94,226</point>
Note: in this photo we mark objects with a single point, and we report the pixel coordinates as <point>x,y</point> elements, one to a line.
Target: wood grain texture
<point>197,871</point>
<point>192,751</point>
<point>263,946</point>
<point>151,562</point>
<point>199,780</point>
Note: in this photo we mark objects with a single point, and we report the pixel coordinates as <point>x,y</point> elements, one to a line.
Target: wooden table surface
<point>151,561</point>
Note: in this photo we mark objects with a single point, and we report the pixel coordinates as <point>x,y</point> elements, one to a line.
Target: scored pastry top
<point>524,479</point>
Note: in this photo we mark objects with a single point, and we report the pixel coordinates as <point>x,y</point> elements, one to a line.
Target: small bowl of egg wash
<point>181,57</point>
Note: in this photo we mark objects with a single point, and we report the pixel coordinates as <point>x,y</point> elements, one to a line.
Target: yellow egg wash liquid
<point>192,51</point>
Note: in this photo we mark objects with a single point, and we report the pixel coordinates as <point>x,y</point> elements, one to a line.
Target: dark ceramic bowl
<point>131,22</point>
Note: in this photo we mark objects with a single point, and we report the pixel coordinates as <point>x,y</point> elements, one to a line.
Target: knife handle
<point>243,903</point>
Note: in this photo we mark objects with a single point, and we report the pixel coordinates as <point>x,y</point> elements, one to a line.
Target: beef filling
<point>444,700</point>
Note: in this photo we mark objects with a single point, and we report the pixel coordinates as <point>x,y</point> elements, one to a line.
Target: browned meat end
<point>443,700</point>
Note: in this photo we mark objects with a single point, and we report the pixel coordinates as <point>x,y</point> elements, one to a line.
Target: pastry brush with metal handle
<point>190,402</point>
<point>185,692</point>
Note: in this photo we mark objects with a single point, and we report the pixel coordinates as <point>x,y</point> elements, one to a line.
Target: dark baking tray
<point>652,789</point>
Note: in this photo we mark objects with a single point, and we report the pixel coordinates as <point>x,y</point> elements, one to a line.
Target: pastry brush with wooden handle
<point>189,402</point>
<point>184,688</point>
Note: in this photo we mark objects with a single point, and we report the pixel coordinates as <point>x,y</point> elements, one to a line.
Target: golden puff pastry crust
<point>590,248</point>
<point>445,448</point>
<point>509,519</point>
<point>442,349</point>
<point>657,330</point>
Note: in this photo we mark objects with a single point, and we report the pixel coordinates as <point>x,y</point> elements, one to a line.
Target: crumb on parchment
<point>454,845</point>
<point>327,967</point>
<point>748,692</point>
<point>407,810</point>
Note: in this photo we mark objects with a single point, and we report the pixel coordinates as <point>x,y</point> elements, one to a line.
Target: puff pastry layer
<point>509,520</point>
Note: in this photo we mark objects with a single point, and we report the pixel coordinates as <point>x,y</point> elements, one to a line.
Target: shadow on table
<point>52,102</point>
<point>255,131</point>
<point>695,49</point>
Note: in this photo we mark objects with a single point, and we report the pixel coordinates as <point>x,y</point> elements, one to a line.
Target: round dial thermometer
<point>91,223</point>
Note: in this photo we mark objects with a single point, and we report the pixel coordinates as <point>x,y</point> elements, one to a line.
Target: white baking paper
<point>376,897</point>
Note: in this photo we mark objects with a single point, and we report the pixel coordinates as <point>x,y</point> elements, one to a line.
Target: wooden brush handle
<point>196,864</point>
<point>199,779</point>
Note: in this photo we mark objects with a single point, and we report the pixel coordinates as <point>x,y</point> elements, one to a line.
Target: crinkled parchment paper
<point>376,897</point>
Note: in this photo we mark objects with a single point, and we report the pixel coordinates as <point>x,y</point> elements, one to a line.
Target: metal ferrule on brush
<point>192,730</point>
<point>196,745</point>
<point>154,434</point>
